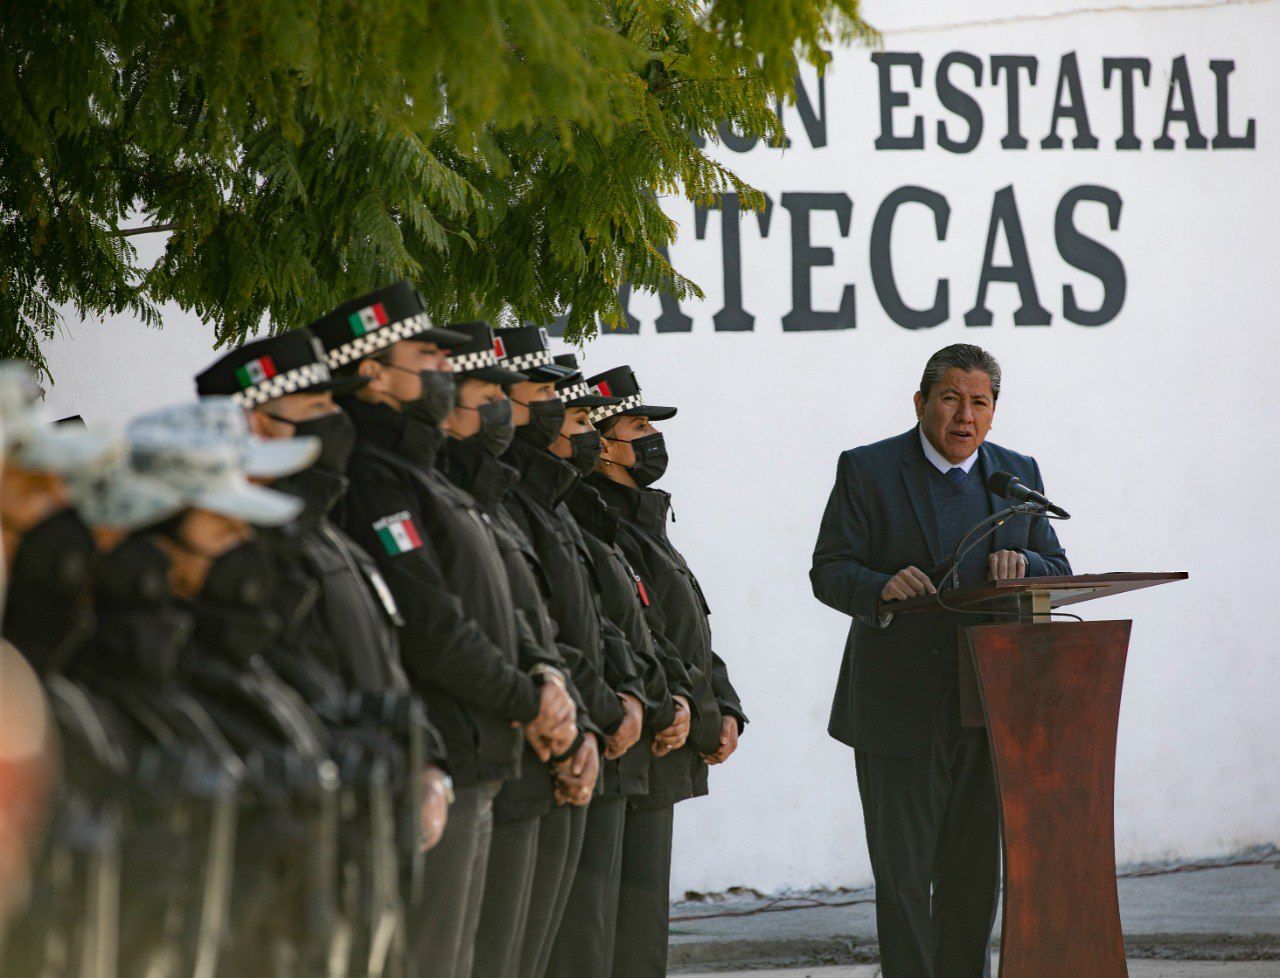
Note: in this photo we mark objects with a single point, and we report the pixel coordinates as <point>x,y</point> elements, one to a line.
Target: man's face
<point>957,414</point>
<point>201,538</point>
<point>525,393</point>
<point>396,382</point>
<point>577,420</point>
<point>27,498</point>
<point>276,419</point>
<point>464,420</point>
<point>617,447</point>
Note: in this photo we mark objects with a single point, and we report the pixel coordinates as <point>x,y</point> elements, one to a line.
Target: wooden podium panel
<point>1051,701</point>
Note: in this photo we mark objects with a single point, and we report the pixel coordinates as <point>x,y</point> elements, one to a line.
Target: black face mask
<point>47,614</point>
<point>436,400</point>
<point>651,458</point>
<point>496,427</point>
<point>133,575</point>
<point>545,419</point>
<point>584,449</point>
<point>337,436</point>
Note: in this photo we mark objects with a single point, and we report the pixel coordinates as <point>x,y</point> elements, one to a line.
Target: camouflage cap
<point>113,494</point>
<point>222,418</point>
<point>31,442</point>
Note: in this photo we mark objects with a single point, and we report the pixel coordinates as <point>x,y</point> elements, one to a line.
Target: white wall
<point>1157,429</point>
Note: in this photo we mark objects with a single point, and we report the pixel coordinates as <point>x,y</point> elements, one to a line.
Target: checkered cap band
<point>574,391</point>
<point>601,413</point>
<point>289,382</point>
<point>525,361</point>
<point>466,362</point>
<point>378,339</point>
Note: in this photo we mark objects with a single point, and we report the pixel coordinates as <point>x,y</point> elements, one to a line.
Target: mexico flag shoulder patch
<point>398,533</point>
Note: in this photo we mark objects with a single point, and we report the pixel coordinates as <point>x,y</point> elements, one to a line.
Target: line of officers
<point>374,660</point>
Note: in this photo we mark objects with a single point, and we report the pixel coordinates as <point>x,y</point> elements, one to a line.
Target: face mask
<point>337,436</point>
<point>545,419</point>
<point>496,428</point>
<point>47,615</point>
<point>134,575</point>
<point>651,458</point>
<point>436,400</point>
<point>584,448</point>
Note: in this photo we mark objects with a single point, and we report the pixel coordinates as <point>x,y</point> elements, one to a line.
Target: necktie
<point>957,475</point>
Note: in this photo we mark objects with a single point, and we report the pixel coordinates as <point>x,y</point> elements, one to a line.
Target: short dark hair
<point>962,356</point>
<point>352,367</point>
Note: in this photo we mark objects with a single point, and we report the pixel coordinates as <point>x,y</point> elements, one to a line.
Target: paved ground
<point>1225,913</point>
<point>1137,969</point>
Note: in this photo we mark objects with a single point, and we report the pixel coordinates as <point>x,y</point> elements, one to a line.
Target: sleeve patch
<point>398,533</point>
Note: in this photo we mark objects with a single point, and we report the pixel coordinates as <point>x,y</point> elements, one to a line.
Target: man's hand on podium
<point>1006,565</point>
<point>910,582</point>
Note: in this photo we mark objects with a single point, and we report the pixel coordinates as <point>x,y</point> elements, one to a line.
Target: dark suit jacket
<point>879,519</point>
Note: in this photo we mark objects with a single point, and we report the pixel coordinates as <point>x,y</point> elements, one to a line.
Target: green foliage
<point>505,154</point>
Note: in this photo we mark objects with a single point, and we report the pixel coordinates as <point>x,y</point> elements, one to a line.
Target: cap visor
<point>338,386</point>
<point>132,502</point>
<point>448,338</point>
<point>63,451</point>
<point>493,375</point>
<point>275,458</point>
<point>548,372</point>
<point>593,401</point>
<point>654,412</point>
<point>256,504</point>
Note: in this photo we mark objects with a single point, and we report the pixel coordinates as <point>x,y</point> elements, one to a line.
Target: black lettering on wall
<point>1185,113</point>
<point>1126,68</point>
<point>1004,216</point>
<point>815,123</point>
<point>732,317</point>
<point>1089,256</point>
<point>882,258</point>
<point>1222,139</point>
<point>959,101</point>
<point>885,62</point>
<point>1073,108</point>
<point>805,258</point>
<point>1010,65</point>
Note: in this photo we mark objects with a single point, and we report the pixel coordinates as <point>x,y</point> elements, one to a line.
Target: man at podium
<point>895,516</point>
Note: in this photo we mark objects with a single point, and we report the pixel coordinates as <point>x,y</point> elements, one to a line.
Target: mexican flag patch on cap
<point>397,533</point>
<point>255,372</point>
<point>370,317</point>
<point>602,388</point>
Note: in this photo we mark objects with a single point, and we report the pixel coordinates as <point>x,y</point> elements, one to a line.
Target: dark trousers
<point>934,838</point>
<point>443,935</point>
<point>640,949</point>
<point>584,944</point>
<point>508,892</point>
<point>559,846</point>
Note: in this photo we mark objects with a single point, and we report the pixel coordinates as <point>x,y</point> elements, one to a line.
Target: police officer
<point>69,928</point>
<point>283,906</point>
<point>179,831</point>
<point>341,651</point>
<point>460,643</point>
<point>633,457</point>
<point>608,664</point>
<point>584,944</point>
<point>529,854</point>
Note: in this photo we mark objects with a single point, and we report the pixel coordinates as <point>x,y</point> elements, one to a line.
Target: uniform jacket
<point>678,614</point>
<point>879,519</point>
<point>460,642</point>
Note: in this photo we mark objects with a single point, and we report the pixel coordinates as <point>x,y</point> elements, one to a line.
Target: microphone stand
<point>951,568</point>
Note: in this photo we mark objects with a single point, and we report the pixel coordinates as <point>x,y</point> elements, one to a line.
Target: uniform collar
<point>545,477</point>
<point>647,507</point>
<point>384,427</point>
<point>469,466</point>
<point>592,513</point>
<point>939,461</point>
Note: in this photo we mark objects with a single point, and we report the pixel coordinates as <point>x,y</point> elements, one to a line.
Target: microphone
<point>1009,486</point>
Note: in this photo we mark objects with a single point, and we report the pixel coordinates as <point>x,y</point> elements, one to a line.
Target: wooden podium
<point>1048,693</point>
